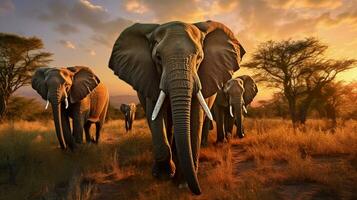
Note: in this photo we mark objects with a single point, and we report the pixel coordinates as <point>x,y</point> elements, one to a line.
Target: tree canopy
<point>19,57</point>
<point>299,68</point>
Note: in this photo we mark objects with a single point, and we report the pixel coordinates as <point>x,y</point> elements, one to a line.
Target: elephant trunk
<point>239,121</point>
<point>180,90</point>
<point>56,108</point>
<point>62,126</point>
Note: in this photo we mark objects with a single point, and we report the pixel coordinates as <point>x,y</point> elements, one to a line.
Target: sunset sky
<point>82,32</point>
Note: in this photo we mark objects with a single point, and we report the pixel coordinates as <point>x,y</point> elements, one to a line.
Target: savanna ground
<point>272,162</point>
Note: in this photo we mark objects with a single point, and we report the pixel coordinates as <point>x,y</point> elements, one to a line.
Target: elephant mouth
<point>199,96</point>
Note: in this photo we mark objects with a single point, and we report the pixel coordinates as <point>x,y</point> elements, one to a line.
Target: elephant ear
<point>38,82</point>
<point>250,89</point>
<point>222,55</point>
<point>123,108</point>
<point>84,82</point>
<point>131,60</point>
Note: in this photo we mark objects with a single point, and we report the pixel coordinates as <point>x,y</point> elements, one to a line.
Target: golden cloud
<point>67,44</point>
<point>135,6</point>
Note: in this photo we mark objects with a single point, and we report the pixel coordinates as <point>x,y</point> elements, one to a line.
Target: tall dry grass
<point>274,161</point>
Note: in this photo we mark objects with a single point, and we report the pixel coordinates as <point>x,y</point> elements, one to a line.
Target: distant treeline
<point>336,100</point>
<point>29,109</point>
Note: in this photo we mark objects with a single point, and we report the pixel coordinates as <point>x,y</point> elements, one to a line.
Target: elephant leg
<point>126,125</point>
<point>228,125</point>
<point>205,131</point>
<point>98,128</point>
<point>78,129</point>
<point>87,126</point>
<point>220,123</point>
<point>130,121</point>
<point>130,124</point>
<point>99,124</point>
<point>163,164</point>
<point>67,129</point>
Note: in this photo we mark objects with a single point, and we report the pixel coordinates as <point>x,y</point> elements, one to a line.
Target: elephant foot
<point>241,135</point>
<point>183,186</point>
<point>220,143</point>
<point>78,141</point>
<point>164,170</point>
<point>228,136</point>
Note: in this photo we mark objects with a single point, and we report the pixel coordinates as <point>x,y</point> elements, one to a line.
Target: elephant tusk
<point>66,102</point>
<point>65,99</point>
<point>231,110</point>
<point>158,105</point>
<point>204,105</point>
<point>245,109</point>
<point>47,103</point>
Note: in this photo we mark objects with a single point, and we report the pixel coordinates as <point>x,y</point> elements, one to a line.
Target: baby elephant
<point>77,93</point>
<point>129,112</point>
<point>230,104</point>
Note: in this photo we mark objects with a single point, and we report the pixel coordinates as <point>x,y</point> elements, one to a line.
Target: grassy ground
<point>272,162</point>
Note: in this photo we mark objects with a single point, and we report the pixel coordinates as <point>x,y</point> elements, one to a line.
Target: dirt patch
<point>241,163</point>
<point>299,190</point>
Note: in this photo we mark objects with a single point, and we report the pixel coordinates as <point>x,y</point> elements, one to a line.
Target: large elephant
<point>74,92</point>
<point>128,111</point>
<point>229,106</point>
<point>175,68</point>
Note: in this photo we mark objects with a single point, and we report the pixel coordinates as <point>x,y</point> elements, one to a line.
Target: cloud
<point>66,28</point>
<point>67,44</point>
<point>313,4</point>
<point>135,6</point>
<point>6,6</point>
<point>92,53</point>
<point>91,6</point>
<point>68,17</point>
<point>185,10</point>
<point>253,21</point>
<point>262,20</point>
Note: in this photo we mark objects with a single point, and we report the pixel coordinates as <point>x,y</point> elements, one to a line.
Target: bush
<point>23,108</point>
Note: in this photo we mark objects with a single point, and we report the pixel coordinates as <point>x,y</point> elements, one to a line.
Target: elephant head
<point>181,61</point>
<point>239,93</point>
<point>62,87</point>
<point>125,109</point>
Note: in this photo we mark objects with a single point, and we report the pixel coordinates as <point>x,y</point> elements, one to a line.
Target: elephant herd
<point>183,76</point>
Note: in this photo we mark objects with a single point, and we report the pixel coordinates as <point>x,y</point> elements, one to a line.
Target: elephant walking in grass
<point>176,69</point>
<point>229,107</point>
<point>77,93</point>
<point>128,111</point>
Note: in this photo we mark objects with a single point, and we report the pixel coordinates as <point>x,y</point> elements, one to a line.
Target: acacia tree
<point>19,57</point>
<point>336,100</point>
<point>299,68</point>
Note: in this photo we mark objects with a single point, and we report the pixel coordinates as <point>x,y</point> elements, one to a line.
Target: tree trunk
<point>292,111</point>
<point>304,108</point>
<point>4,99</point>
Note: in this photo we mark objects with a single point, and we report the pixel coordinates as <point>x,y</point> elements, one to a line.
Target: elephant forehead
<point>179,29</point>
